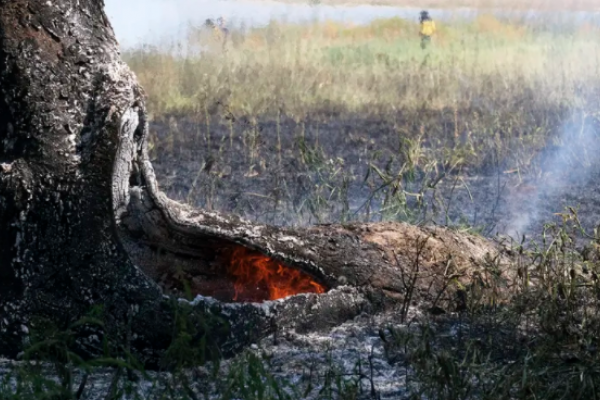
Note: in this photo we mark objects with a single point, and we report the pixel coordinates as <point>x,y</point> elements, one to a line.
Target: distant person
<point>222,27</point>
<point>427,29</point>
<point>220,31</point>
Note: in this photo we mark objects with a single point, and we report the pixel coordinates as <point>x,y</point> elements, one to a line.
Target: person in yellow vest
<point>427,29</point>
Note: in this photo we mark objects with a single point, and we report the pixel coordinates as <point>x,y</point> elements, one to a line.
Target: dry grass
<point>377,68</point>
<point>545,5</point>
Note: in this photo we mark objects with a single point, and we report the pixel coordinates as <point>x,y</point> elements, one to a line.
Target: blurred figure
<point>222,27</point>
<point>427,29</point>
<point>209,23</point>
<point>220,31</point>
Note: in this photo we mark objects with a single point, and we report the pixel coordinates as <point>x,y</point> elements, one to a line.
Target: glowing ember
<point>257,276</point>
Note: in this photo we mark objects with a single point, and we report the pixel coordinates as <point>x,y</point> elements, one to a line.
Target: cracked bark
<point>83,222</point>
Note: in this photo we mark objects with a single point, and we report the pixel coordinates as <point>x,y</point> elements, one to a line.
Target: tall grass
<point>376,68</point>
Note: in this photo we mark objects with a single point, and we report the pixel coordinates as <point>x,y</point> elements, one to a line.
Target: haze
<point>150,21</point>
<point>138,22</point>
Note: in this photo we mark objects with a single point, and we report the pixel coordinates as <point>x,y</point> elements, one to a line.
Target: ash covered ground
<point>291,173</point>
<point>353,360</point>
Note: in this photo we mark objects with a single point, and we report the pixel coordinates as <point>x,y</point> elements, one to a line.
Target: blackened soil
<point>336,169</point>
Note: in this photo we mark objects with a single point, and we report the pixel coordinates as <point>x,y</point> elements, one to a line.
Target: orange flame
<point>257,276</point>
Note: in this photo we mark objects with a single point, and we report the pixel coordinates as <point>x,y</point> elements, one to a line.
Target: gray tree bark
<point>83,222</point>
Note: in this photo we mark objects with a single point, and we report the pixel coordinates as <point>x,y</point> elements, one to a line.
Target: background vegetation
<point>360,112</point>
<point>552,5</point>
<point>376,68</point>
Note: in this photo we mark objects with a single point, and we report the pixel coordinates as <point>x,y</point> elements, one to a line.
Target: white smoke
<point>566,163</point>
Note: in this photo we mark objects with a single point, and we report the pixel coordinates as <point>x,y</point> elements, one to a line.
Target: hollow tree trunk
<point>83,223</point>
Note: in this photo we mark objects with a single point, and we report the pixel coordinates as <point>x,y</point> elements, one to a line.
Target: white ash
<point>349,350</point>
<point>352,349</point>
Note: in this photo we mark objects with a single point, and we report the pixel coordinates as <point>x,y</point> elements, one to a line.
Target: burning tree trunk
<point>83,223</point>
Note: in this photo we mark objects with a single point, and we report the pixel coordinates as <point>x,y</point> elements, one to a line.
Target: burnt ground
<point>347,169</point>
<point>367,169</point>
<point>349,361</point>
<point>323,175</point>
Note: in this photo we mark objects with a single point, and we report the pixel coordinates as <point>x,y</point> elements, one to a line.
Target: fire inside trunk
<point>257,277</point>
<point>234,273</point>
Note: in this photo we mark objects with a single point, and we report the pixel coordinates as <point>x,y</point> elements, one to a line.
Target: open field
<point>493,129</point>
<point>541,5</point>
<point>377,68</point>
<point>300,124</point>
